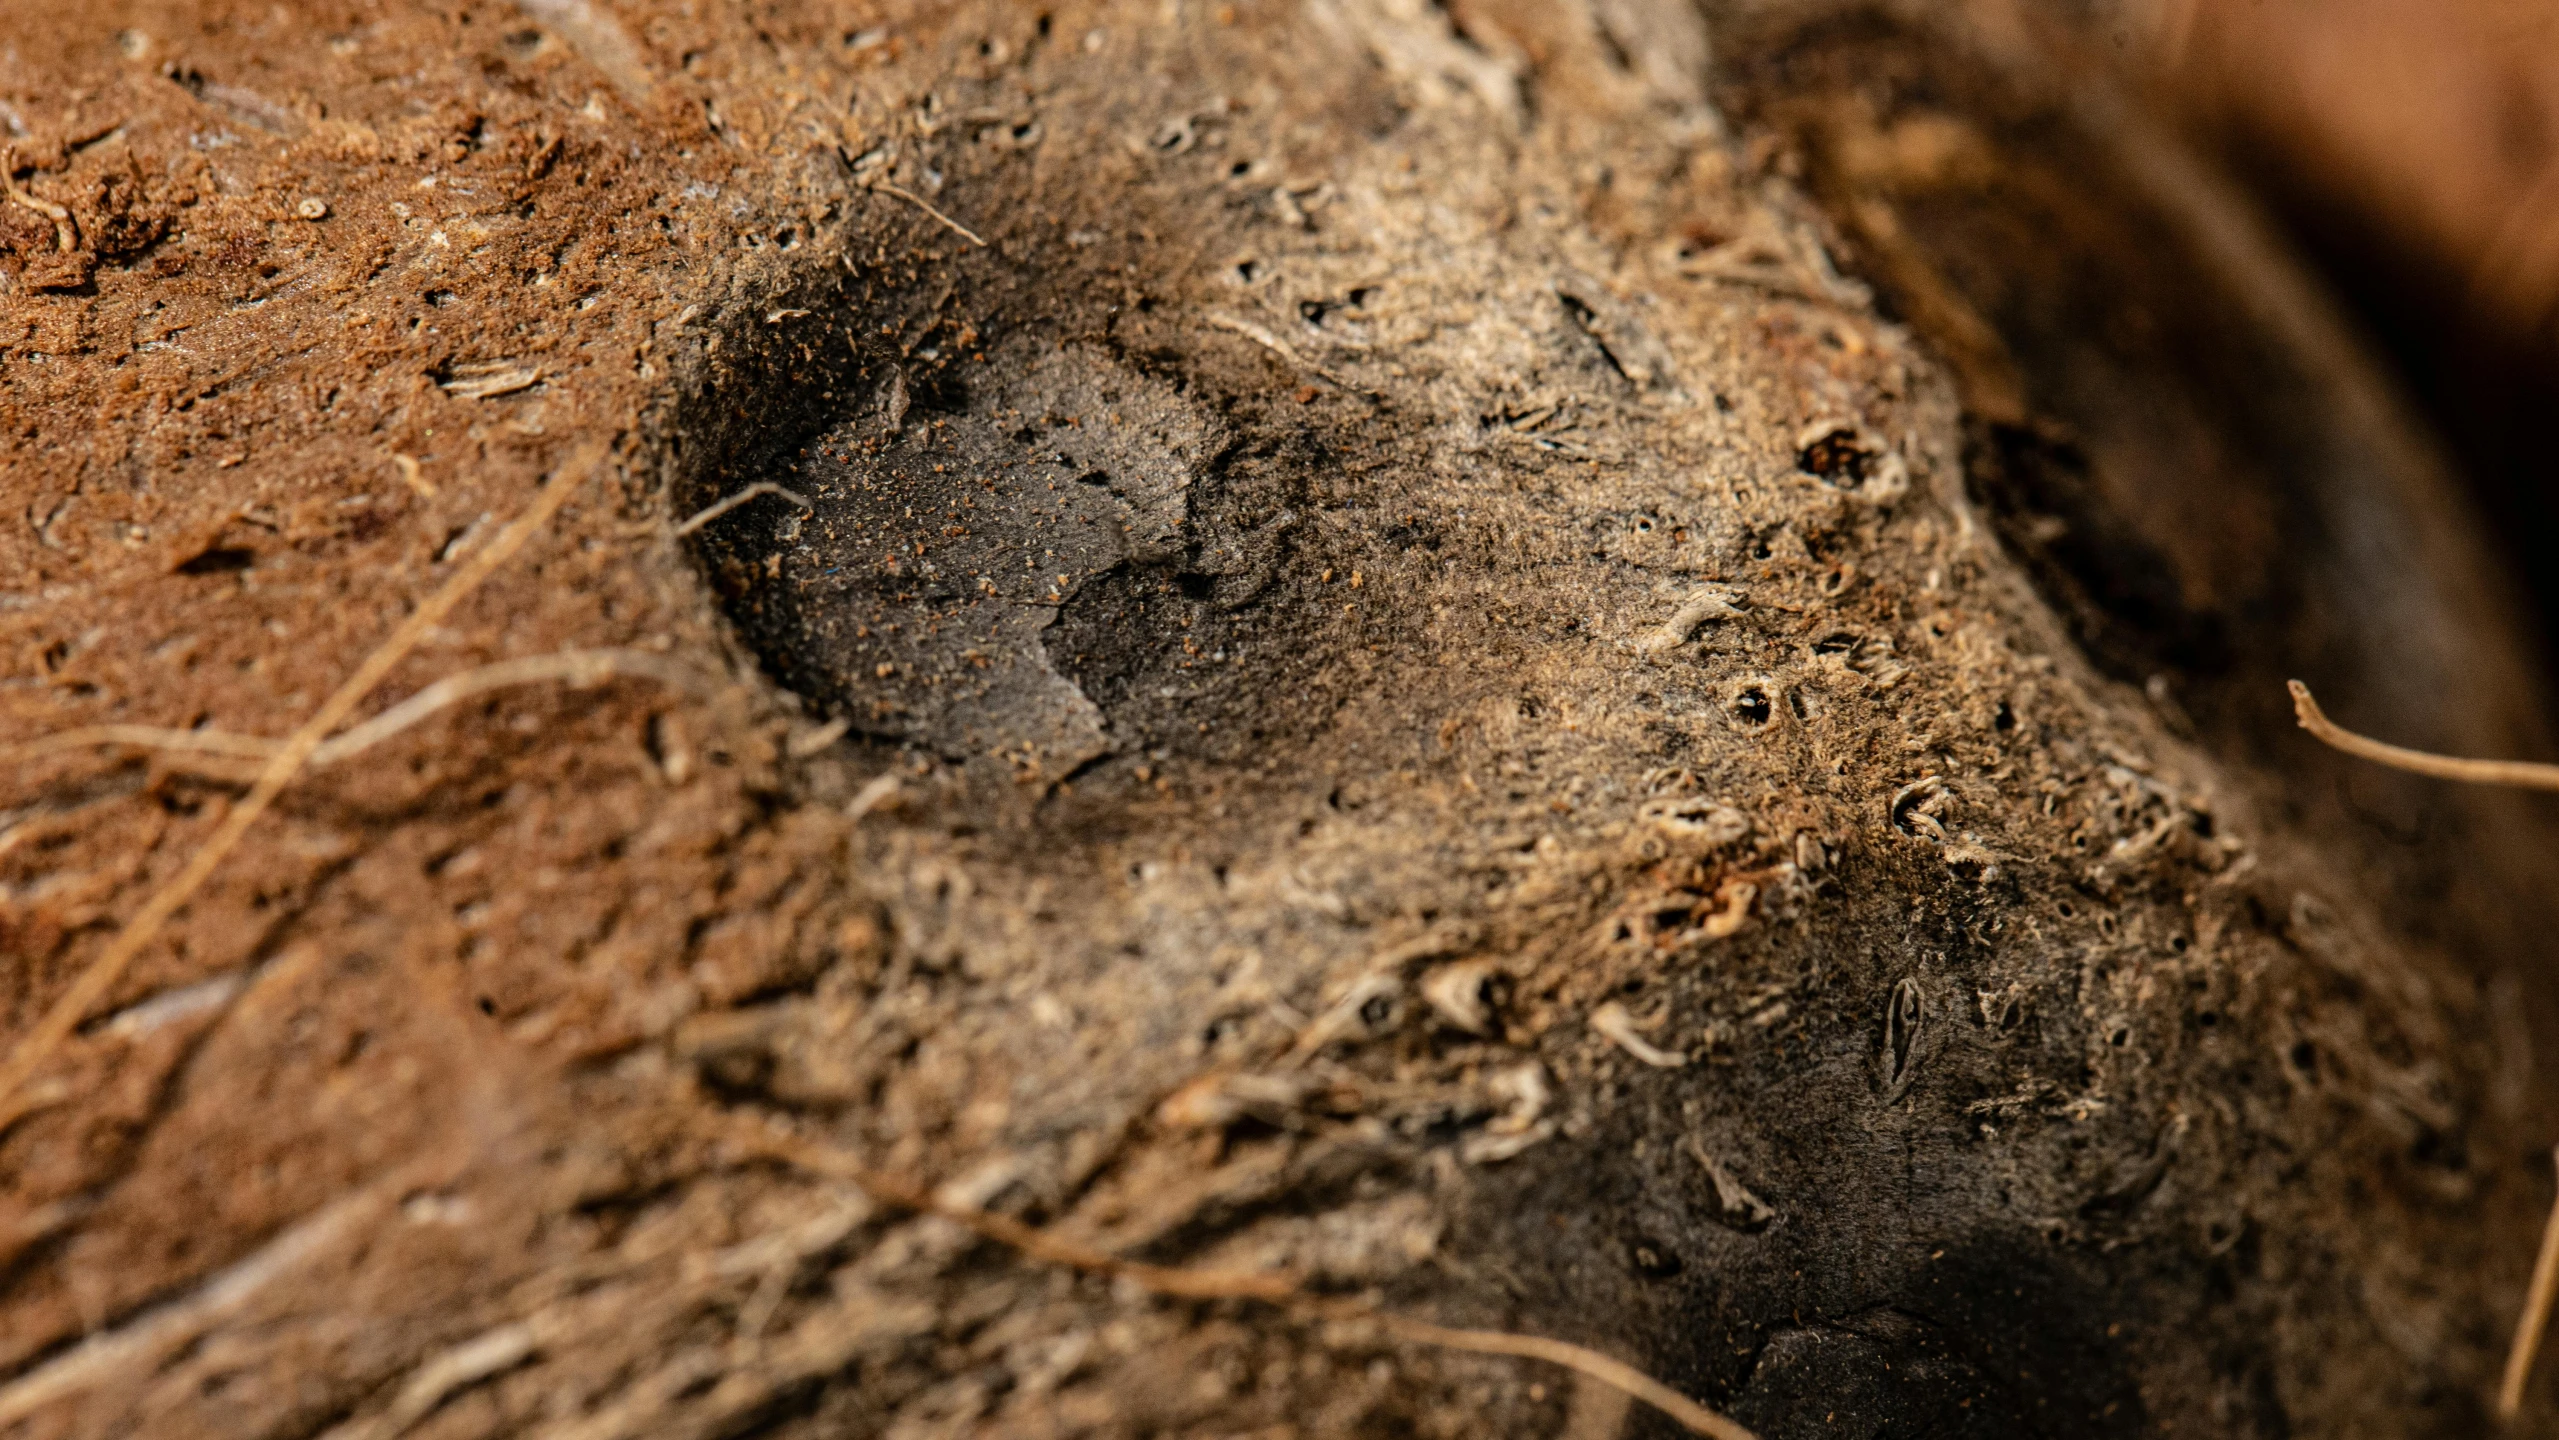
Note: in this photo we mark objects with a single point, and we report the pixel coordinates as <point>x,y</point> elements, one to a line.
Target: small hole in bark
<point>219,560</point>
<point>1652,1260</point>
<point>1837,457</point>
<point>2433,1147</point>
<point>1750,706</point>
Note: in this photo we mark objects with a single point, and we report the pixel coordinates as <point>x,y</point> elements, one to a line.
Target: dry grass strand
<point>102,973</point>
<point>2536,1316</point>
<point>149,737</point>
<point>65,236</point>
<point>2515,774</point>
<point>718,508</point>
<point>1614,1373</point>
<point>580,668</point>
<point>920,203</point>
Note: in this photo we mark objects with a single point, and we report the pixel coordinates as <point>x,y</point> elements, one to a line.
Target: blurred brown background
<point>2412,148</point>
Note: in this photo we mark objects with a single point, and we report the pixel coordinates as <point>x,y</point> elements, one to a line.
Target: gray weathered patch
<point>943,542</point>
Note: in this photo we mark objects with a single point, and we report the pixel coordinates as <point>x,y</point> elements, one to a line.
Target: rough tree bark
<point>1608,671</point>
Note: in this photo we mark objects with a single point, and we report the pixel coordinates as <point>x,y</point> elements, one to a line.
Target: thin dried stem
<point>1277,1287</point>
<point>580,668</point>
<point>102,973</point>
<point>718,508</point>
<point>2536,1316</point>
<point>150,737</point>
<point>65,238</point>
<point>2516,774</point>
<point>920,203</point>
<point>1268,341</point>
<point>1616,1374</point>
